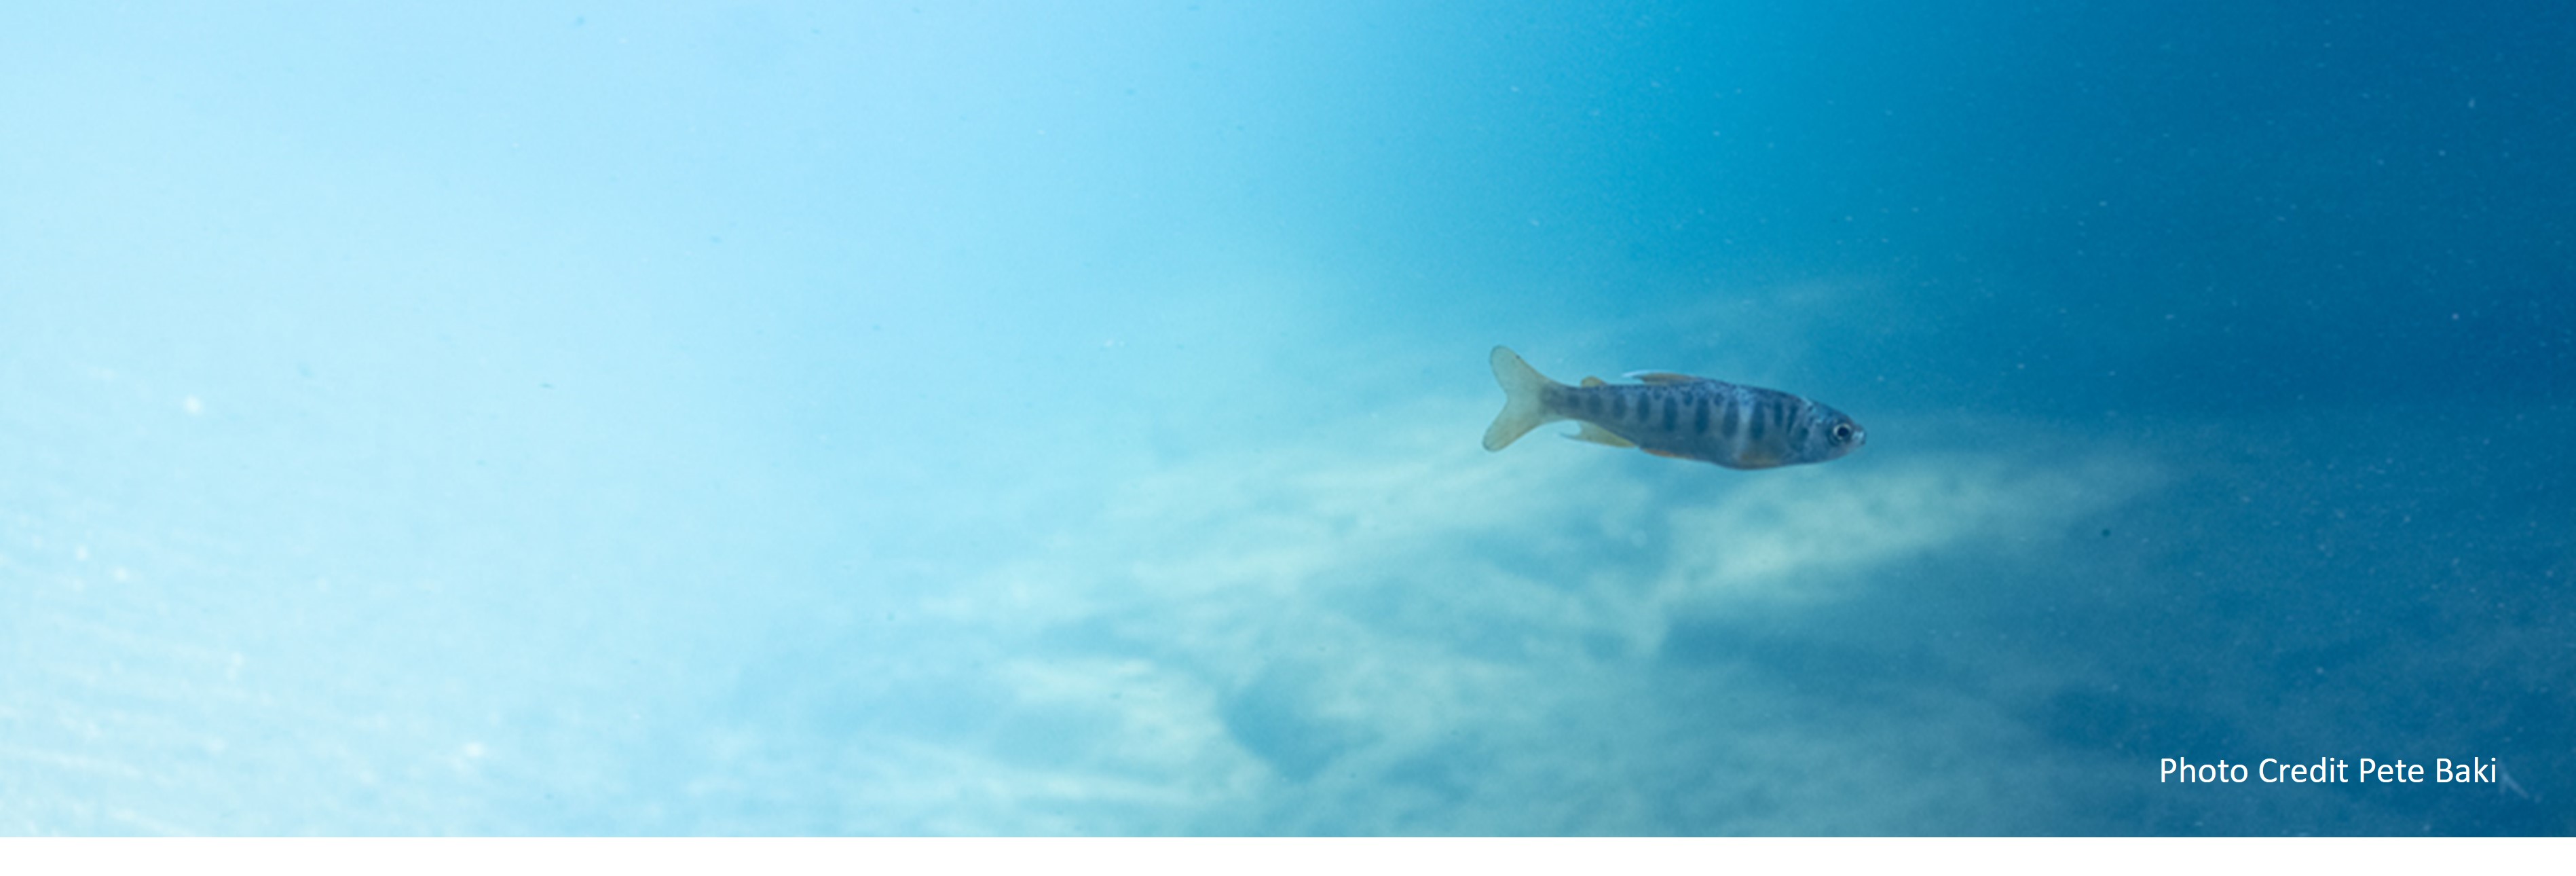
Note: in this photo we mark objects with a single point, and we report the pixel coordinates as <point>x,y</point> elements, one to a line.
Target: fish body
<point>1675,415</point>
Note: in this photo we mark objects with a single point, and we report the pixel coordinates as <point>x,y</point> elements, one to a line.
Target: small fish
<point>1674,415</point>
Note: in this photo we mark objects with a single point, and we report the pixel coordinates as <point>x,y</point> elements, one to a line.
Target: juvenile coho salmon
<point>1676,416</point>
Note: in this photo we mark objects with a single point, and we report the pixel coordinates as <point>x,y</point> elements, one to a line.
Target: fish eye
<point>1842,433</point>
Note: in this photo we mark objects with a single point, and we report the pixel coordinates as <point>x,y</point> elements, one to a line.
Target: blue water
<point>1063,418</point>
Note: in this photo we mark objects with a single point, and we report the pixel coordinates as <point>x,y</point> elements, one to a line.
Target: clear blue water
<point>1008,419</point>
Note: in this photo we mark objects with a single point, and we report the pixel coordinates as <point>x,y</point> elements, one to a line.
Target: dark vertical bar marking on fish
<point>1672,411</point>
<point>1699,413</point>
<point>1761,425</point>
<point>1619,406</point>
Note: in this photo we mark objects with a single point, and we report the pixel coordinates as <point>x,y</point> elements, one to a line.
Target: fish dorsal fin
<point>1598,435</point>
<point>1661,377</point>
<point>1590,382</point>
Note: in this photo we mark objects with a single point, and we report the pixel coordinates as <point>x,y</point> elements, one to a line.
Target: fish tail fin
<point>1524,400</point>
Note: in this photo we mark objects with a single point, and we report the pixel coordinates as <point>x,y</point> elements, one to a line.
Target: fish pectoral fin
<point>1590,382</point>
<point>1661,377</point>
<point>1598,435</point>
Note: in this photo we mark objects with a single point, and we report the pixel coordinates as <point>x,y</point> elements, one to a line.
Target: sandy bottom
<point>1976,626</point>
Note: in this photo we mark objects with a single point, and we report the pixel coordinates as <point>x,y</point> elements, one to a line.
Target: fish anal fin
<point>1598,435</point>
<point>1661,377</point>
<point>1667,454</point>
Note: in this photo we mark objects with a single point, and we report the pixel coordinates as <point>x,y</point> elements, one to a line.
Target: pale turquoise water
<point>998,419</point>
